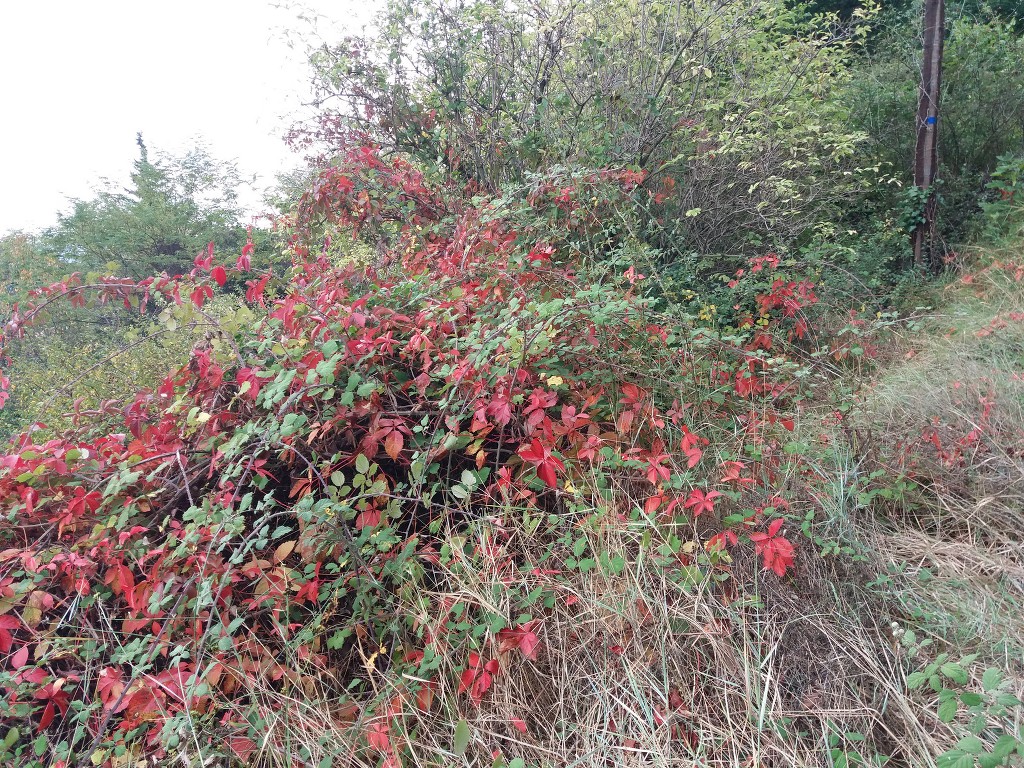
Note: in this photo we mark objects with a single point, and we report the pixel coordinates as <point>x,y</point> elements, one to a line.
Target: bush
<point>250,527</point>
<point>732,106</point>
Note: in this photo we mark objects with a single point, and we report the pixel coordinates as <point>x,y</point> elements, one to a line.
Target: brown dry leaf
<point>214,675</point>
<point>283,550</point>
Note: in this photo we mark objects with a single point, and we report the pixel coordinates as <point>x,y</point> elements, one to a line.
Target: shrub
<point>732,106</point>
<point>248,528</point>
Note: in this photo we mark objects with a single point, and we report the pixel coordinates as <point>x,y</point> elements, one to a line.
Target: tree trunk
<point>926,158</point>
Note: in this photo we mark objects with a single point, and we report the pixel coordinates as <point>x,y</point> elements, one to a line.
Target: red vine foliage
<point>243,525</point>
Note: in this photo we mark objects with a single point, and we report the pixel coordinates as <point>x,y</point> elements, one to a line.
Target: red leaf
<point>652,503</point>
<point>539,455</point>
<point>546,472</point>
<point>466,679</point>
<point>528,645</point>
<point>242,746</point>
<point>522,637</point>
<point>244,263</point>
<point>535,452</point>
<point>203,261</point>
<point>255,290</point>
<point>200,294</point>
<point>8,624</point>
<point>48,712</point>
<point>377,736</point>
<point>394,443</point>
<point>425,695</point>
<point>477,677</point>
<point>519,724</point>
<point>480,687</point>
<point>700,502</point>
<point>219,275</point>
<point>369,518</point>
<point>20,658</point>
<point>109,686</point>
<point>721,540</point>
<point>776,551</point>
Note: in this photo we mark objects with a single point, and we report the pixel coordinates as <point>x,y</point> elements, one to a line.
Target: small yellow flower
<point>555,381</point>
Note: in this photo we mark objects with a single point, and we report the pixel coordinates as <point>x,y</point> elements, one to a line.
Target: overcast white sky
<point>79,78</point>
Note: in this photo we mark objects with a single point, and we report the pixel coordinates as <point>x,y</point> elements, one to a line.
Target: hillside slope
<point>476,504</point>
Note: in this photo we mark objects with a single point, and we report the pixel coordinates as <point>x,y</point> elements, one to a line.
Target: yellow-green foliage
<point>93,357</point>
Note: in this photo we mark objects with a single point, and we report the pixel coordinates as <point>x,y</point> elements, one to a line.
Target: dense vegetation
<point>580,407</point>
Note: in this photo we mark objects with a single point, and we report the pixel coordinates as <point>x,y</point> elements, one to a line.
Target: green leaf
<point>955,758</point>
<point>992,679</point>
<point>971,744</point>
<point>461,737</point>
<point>971,699</point>
<point>362,464</point>
<point>954,672</point>
<point>338,478</point>
<point>1004,746</point>
<point>978,725</point>
<point>915,680</point>
<point>11,738</point>
<point>947,710</point>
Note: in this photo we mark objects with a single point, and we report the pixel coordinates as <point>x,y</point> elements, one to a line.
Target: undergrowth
<point>478,503</point>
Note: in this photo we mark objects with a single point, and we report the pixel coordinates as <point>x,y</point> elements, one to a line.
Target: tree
<point>23,266</point>
<point>982,97</point>
<point>926,158</point>
<point>173,208</point>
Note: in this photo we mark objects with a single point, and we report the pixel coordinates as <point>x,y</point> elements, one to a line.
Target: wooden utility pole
<point>926,159</point>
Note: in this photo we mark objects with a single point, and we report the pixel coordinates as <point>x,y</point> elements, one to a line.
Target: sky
<point>80,78</point>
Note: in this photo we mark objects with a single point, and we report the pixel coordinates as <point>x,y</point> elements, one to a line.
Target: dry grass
<point>642,669</point>
<point>958,549</point>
